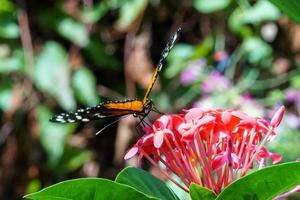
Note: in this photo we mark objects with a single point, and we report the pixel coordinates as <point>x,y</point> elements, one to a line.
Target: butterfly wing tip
<point>52,119</point>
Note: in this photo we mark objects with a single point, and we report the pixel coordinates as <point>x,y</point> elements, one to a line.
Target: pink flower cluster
<point>211,148</point>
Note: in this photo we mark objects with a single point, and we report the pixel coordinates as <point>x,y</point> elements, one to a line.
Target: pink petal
<point>275,157</point>
<point>146,138</point>
<point>177,120</point>
<point>235,161</point>
<point>169,132</point>
<point>158,139</point>
<point>131,153</point>
<point>194,114</point>
<point>240,114</point>
<point>205,120</point>
<point>262,123</point>
<point>247,122</point>
<point>189,135</point>
<point>184,127</point>
<point>226,117</point>
<point>165,120</point>
<point>158,125</point>
<point>277,117</point>
<point>219,161</point>
<point>263,153</point>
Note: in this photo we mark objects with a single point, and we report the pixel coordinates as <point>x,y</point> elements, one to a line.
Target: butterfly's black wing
<point>100,111</point>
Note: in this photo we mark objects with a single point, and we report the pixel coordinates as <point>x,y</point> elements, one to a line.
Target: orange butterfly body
<point>136,107</point>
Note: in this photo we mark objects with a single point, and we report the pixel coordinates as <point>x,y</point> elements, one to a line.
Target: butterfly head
<point>148,106</point>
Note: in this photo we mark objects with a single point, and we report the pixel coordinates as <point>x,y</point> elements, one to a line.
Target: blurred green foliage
<point>291,8</point>
<point>84,84</point>
<point>52,67</point>
<point>62,55</point>
<point>206,6</point>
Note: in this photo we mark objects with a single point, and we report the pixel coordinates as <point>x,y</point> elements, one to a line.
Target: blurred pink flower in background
<point>215,82</point>
<point>211,148</point>
<point>293,96</point>
<point>243,102</point>
<point>206,102</point>
<point>249,105</point>
<point>292,120</point>
<point>192,72</point>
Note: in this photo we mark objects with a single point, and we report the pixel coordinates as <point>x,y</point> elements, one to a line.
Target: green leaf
<point>8,27</point>
<point>129,12</point>
<point>256,49</point>
<point>180,193</point>
<point>237,25</point>
<point>72,159</point>
<point>56,19</point>
<point>52,74</point>
<point>264,184</point>
<point>208,6</point>
<point>178,58</point>
<point>295,81</point>
<point>73,31</point>
<point>96,13</point>
<point>87,188</point>
<point>7,6</point>
<point>13,63</point>
<point>240,18</point>
<point>84,83</point>
<point>146,183</point>
<point>204,48</point>
<point>201,193</point>
<point>257,13</point>
<point>33,186</point>
<point>275,96</point>
<point>50,132</point>
<point>290,7</point>
<point>95,51</point>
<point>6,97</point>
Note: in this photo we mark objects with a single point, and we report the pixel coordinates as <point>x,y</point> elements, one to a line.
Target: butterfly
<point>136,107</point>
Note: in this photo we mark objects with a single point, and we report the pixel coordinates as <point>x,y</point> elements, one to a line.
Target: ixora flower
<point>211,148</point>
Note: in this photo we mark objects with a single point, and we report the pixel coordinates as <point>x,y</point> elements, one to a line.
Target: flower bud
<point>277,117</point>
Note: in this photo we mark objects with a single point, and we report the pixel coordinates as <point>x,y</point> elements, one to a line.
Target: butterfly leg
<point>142,122</point>
<point>139,127</point>
<point>138,131</point>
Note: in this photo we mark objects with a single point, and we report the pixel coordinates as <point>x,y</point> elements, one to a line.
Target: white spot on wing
<point>60,120</point>
<point>99,115</point>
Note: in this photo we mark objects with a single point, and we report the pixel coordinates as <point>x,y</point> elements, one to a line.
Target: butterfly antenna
<point>157,111</point>
<point>113,122</point>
